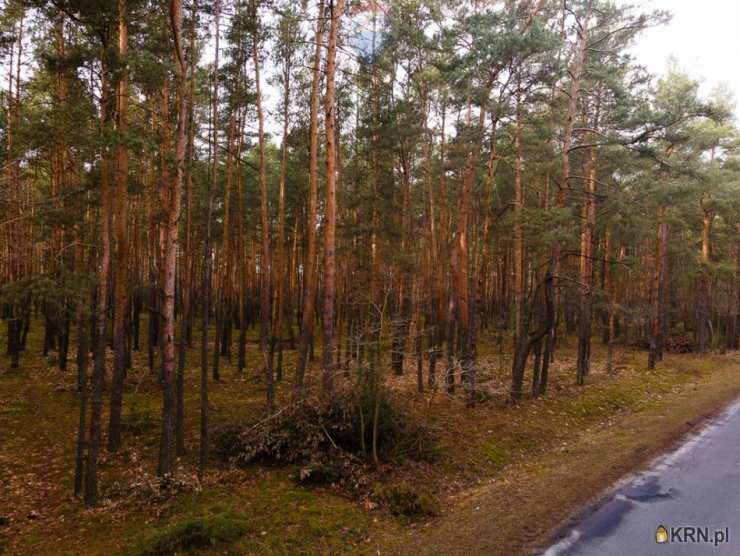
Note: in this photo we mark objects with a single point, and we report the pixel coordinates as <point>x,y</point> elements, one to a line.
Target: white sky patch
<point>701,36</point>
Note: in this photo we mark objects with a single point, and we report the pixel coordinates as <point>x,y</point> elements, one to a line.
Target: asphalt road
<point>697,485</point>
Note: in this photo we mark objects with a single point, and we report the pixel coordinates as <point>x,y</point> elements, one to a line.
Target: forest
<point>337,262</point>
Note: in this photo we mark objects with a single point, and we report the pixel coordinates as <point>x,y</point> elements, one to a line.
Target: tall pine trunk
<point>265,227</point>
<point>659,281</point>
<point>330,204</point>
<point>703,310</point>
<point>120,279</point>
<point>309,274</point>
<point>101,308</point>
<point>169,246</point>
<point>576,72</point>
<point>588,223</point>
<point>187,273</point>
<point>83,347</point>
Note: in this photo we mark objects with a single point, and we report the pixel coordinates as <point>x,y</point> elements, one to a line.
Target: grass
<point>505,475</point>
<point>407,500</point>
<point>38,417</point>
<point>576,444</point>
<point>191,534</point>
<point>264,514</point>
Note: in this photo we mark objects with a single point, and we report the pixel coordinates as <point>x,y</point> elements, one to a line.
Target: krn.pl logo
<point>661,535</point>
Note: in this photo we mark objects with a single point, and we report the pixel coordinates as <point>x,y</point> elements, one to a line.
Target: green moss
<point>533,428</point>
<point>595,405</point>
<point>191,535</point>
<point>138,420</point>
<point>631,393</point>
<point>502,450</point>
<point>274,513</point>
<point>11,374</point>
<point>281,518</point>
<point>290,520</point>
<point>406,500</point>
<point>11,408</point>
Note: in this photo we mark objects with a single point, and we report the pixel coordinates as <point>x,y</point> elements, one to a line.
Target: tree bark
<point>588,223</point>
<point>735,316</point>
<point>207,258</point>
<point>703,313</point>
<point>169,246</point>
<point>309,275</point>
<point>101,309</point>
<point>658,293</point>
<point>576,73</point>
<point>518,286</point>
<point>82,360</point>
<point>120,279</point>
<point>187,272</point>
<point>330,205</point>
<point>280,270</point>
<point>528,340</point>
<point>264,263</point>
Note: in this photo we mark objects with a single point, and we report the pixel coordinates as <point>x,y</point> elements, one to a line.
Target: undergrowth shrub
<point>331,440</point>
<point>139,420</point>
<point>406,500</point>
<point>140,487</point>
<point>676,341</point>
<point>679,342</point>
<point>190,535</point>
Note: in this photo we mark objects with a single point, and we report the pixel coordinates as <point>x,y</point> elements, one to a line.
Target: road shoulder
<point>521,511</point>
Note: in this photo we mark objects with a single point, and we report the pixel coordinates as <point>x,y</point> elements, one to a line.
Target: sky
<point>703,38</point>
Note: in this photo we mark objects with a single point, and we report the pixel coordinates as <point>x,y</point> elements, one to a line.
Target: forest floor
<point>505,476</point>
